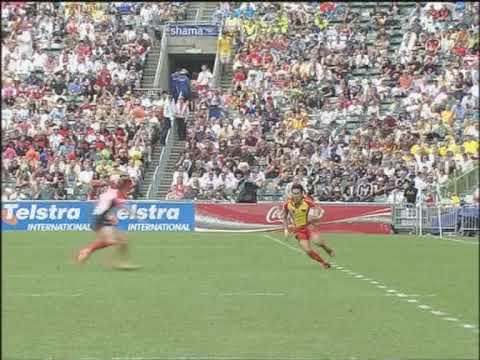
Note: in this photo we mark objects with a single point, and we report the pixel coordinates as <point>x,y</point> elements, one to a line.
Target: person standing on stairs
<point>167,113</point>
<point>181,114</point>
<point>225,50</point>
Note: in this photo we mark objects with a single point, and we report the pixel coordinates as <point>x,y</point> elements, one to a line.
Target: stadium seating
<point>382,120</point>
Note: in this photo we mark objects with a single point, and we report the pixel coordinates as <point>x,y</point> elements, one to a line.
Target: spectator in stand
<point>181,115</point>
<point>204,79</point>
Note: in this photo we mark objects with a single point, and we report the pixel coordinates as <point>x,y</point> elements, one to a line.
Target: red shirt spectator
<point>64,131</point>
<point>104,78</point>
<point>459,50</point>
<point>443,14</point>
<point>83,50</point>
<point>120,134</point>
<point>99,145</point>
<point>327,7</point>
<point>267,58</point>
<point>432,44</point>
<point>32,156</point>
<point>239,75</point>
<point>10,153</point>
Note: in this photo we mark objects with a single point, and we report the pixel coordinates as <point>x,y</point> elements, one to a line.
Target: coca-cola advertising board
<point>359,218</point>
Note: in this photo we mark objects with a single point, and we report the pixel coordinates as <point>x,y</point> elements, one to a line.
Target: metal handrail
<point>161,59</point>
<point>196,16</point>
<point>164,155</point>
<point>454,184</point>
<point>217,68</point>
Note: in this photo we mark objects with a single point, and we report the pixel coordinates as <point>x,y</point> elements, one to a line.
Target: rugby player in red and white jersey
<point>104,223</point>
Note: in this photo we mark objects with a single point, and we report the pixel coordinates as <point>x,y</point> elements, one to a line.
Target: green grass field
<point>240,296</point>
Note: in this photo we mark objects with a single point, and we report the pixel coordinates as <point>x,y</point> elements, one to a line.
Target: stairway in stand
<point>147,81</point>
<point>177,151</point>
<point>201,11</point>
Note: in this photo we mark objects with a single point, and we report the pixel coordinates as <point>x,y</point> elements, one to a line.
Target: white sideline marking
<point>391,291</point>
<point>138,246</point>
<point>253,294</point>
<point>32,275</point>
<point>374,282</point>
<point>215,357</point>
<point>454,240</point>
<point>424,307</point>
<point>284,244</point>
<point>47,294</point>
<point>244,294</point>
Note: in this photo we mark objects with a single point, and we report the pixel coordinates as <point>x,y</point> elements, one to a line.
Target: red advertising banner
<point>359,218</point>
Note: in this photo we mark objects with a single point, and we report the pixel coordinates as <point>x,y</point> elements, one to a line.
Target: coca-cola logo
<point>275,214</point>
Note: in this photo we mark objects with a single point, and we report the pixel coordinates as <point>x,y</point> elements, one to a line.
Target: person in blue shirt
<point>124,8</point>
<point>74,87</point>
<point>182,85</point>
<point>173,85</point>
<point>460,6</point>
<point>459,112</point>
<point>249,11</point>
<point>58,113</point>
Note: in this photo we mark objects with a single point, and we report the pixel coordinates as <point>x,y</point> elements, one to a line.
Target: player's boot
<point>326,265</point>
<point>83,255</point>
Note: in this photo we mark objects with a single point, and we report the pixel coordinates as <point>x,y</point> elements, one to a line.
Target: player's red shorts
<point>305,233</point>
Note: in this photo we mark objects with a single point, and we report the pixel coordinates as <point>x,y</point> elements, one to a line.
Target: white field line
<point>212,357</point>
<point>253,294</point>
<point>284,244</point>
<point>392,292</point>
<point>51,294</point>
<point>135,246</point>
<point>32,276</point>
<point>451,239</point>
<point>244,294</point>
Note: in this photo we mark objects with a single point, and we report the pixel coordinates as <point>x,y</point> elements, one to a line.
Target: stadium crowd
<point>71,118</point>
<point>382,122</point>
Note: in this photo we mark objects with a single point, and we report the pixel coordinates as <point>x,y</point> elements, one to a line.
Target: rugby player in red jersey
<point>297,210</point>
<point>104,223</point>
